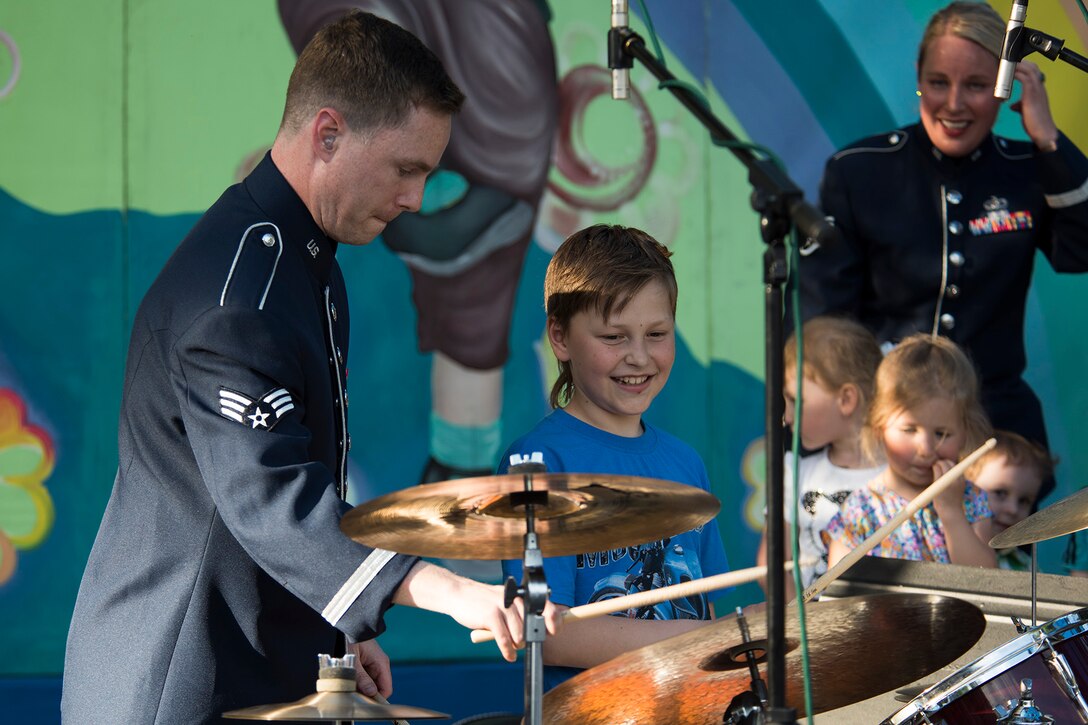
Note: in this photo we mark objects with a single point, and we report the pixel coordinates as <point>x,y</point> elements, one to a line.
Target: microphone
<point>1010,49</point>
<point>617,59</point>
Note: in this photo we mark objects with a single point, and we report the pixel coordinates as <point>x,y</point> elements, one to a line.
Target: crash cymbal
<point>858,647</point>
<point>334,706</point>
<point>1058,519</point>
<point>484,517</point>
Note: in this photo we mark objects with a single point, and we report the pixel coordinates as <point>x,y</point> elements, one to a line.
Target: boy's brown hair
<point>601,268</point>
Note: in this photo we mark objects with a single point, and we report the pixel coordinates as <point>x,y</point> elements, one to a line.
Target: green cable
<point>794,264</point>
<point>653,33</point>
<point>795,446</point>
<point>1083,10</point>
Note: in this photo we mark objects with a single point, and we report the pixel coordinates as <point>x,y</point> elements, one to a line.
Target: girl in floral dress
<point>925,416</point>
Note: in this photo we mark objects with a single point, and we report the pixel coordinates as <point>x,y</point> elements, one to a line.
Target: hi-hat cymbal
<point>1058,519</point>
<point>323,706</point>
<point>858,647</point>
<point>484,517</point>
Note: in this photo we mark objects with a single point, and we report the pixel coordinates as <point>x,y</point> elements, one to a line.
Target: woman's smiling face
<point>956,81</point>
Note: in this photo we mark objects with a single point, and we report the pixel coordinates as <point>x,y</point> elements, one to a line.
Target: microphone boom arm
<point>765,176</point>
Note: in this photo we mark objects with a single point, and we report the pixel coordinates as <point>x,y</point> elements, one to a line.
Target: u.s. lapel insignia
<point>264,412</point>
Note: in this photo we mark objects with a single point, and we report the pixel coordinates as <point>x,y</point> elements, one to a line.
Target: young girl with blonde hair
<point>925,416</point>
<point>840,359</point>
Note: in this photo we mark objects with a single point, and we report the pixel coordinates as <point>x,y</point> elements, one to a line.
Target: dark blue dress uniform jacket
<point>219,570</point>
<point>946,245</point>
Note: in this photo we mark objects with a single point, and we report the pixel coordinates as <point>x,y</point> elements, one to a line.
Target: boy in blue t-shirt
<point>610,296</point>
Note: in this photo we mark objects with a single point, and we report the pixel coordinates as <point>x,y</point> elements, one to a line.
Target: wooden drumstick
<point>655,596</point>
<point>921,500</point>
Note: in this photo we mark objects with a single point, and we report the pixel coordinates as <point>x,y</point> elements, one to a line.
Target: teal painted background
<point>128,117</point>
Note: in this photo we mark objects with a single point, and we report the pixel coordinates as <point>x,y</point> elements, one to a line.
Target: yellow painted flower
<point>26,460</point>
<point>753,470</point>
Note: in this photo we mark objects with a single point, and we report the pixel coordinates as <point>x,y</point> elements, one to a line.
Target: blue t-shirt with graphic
<point>571,446</point>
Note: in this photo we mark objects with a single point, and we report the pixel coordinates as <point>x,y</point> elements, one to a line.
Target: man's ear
<point>849,399</point>
<point>557,336</point>
<point>326,130</point>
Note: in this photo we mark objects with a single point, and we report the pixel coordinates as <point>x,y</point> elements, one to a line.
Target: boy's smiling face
<point>618,365</point>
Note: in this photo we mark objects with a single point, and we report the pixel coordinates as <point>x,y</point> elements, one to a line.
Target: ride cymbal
<point>858,647</point>
<point>322,706</point>
<point>1058,519</point>
<point>484,517</point>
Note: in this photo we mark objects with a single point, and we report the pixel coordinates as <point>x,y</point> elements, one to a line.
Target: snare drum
<point>1053,656</point>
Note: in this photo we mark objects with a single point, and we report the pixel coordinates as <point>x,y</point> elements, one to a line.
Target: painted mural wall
<point>121,120</point>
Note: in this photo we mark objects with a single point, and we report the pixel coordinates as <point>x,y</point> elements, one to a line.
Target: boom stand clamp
<point>1030,40</point>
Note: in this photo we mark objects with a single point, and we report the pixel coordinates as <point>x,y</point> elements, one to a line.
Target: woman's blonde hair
<point>974,21</point>
<point>922,368</point>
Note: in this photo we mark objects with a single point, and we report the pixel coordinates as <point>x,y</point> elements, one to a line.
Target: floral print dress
<point>919,538</point>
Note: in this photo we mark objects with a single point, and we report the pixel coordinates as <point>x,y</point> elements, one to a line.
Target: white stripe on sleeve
<point>355,585</point>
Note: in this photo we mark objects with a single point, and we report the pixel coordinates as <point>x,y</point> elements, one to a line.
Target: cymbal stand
<point>337,674</point>
<point>1034,576</point>
<point>533,592</point>
<point>748,707</point>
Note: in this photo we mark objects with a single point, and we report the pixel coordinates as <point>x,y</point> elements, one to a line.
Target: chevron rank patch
<point>264,412</point>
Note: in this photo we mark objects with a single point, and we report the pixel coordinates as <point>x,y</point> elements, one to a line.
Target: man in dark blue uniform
<point>220,570</point>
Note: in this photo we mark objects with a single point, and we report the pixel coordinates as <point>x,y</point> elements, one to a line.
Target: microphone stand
<point>779,202</point>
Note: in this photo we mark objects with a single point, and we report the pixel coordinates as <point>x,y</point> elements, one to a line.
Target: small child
<point>610,298</point>
<point>840,362</point>
<point>925,415</point>
<point>1012,474</point>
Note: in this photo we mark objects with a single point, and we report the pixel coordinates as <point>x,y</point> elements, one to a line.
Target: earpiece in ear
<point>328,143</point>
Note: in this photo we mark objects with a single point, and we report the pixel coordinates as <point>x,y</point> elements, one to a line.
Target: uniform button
<point>269,240</point>
<point>954,197</point>
<point>339,356</point>
<point>955,228</point>
<point>332,311</point>
<point>948,321</point>
<point>345,400</point>
<point>956,259</point>
<point>893,139</point>
<point>349,441</point>
<point>952,291</point>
